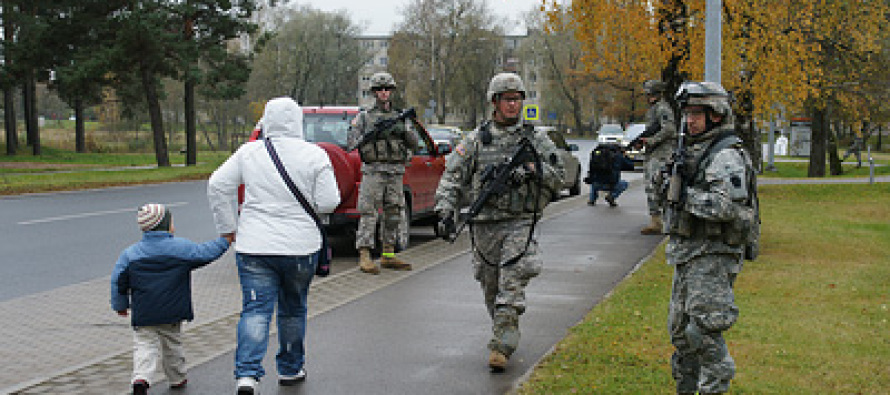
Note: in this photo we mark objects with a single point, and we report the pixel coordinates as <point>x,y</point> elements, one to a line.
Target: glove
<point>446,226</point>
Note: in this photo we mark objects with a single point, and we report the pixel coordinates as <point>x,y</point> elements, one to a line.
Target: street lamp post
<point>713,25</point>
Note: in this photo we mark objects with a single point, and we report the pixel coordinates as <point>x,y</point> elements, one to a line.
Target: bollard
<point>871,167</point>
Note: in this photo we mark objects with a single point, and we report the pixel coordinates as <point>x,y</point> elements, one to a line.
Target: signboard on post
<point>530,111</point>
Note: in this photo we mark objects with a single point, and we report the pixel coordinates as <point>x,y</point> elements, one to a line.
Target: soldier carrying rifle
<point>510,172</point>
<point>385,147</point>
<point>712,223</point>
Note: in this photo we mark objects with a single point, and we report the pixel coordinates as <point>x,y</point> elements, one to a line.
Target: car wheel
<point>575,190</point>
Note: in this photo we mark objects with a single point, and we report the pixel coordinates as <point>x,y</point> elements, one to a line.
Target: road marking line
<point>92,214</point>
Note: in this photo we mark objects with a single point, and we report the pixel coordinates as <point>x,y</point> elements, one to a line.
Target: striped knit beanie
<point>153,216</point>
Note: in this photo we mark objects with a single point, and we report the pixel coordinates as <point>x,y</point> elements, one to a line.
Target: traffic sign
<point>531,112</point>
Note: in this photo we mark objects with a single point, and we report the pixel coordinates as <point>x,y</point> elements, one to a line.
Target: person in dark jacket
<point>607,179</point>
<point>153,279</point>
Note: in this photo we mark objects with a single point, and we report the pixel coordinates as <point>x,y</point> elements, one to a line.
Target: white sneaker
<point>292,380</point>
<point>246,386</point>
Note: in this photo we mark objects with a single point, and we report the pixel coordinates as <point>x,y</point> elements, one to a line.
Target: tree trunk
<point>817,144</point>
<point>33,126</point>
<point>154,113</point>
<point>12,138</point>
<point>79,130</point>
<point>191,134</point>
<point>834,161</point>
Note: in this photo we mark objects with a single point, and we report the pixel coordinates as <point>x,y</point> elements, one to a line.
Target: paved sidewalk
<point>69,341</point>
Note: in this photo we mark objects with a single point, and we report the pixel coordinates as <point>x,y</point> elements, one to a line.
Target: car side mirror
<point>572,147</point>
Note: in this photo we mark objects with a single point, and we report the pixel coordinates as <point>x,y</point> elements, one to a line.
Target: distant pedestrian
<point>604,173</point>
<point>153,279</point>
<point>278,240</point>
<point>505,253</point>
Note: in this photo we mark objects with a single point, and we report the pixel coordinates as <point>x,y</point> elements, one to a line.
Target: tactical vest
<point>527,198</point>
<point>389,147</point>
<point>742,232</point>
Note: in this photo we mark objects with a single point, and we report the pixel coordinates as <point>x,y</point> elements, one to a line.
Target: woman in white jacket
<point>277,241</point>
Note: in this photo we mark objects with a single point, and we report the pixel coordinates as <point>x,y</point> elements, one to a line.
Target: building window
<point>532,94</point>
<point>383,61</point>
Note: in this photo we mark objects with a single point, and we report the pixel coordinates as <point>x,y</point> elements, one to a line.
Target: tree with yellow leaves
<point>791,56</point>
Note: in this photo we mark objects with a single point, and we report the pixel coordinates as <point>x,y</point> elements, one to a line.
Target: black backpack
<point>602,160</point>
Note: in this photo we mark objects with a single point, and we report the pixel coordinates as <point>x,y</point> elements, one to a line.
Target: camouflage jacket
<point>461,183</point>
<point>715,197</point>
<point>662,143</point>
<point>393,148</point>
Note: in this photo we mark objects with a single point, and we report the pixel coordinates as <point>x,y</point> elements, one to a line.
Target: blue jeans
<point>614,190</point>
<point>265,279</point>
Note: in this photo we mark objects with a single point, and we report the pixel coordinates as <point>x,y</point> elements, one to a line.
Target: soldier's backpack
<point>602,159</point>
<point>747,227</point>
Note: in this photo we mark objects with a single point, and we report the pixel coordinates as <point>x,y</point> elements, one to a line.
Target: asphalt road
<point>53,240</point>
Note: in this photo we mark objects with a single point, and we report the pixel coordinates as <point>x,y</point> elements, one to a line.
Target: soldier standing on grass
<point>383,166</point>
<point>704,245</point>
<point>662,134</point>
<point>505,253</point>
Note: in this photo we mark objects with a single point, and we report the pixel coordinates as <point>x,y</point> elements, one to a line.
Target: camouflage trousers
<point>503,277</point>
<point>702,308</point>
<point>380,196</point>
<point>652,177</point>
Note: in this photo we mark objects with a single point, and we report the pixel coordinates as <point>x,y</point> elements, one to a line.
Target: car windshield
<point>634,130</point>
<point>441,134</point>
<point>326,128</point>
<point>611,130</point>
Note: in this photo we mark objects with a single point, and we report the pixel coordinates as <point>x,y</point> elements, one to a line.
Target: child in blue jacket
<point>153,279</point>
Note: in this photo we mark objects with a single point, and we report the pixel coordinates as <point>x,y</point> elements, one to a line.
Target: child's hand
<point>230,237</point>
<point>122,313</point>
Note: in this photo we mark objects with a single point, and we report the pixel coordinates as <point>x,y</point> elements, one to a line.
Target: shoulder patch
<point>460,149</point>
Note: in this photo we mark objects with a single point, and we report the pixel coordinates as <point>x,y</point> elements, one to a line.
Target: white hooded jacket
<point>272,221</point>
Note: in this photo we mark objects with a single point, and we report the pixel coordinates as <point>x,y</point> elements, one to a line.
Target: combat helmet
<point>653,87</point>
<point>382,80</point>
<point>505,82</point>
<point>706,94</point>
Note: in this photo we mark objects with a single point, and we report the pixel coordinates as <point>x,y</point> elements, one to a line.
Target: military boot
<point>388,259</point>
<point>654,227</point>
<point>497,361</point>
<point>365,263</point>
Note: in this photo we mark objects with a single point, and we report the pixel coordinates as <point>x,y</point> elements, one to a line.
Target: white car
<point>610,133</point>
<point>633,130</point>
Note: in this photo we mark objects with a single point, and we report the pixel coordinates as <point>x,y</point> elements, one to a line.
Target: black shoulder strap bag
<point>324,257</point>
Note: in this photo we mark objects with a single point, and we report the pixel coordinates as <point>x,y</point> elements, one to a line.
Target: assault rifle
<point>496,180</point>
<point>383,124</point>
<point>674,190</point>
<point>649,132</point>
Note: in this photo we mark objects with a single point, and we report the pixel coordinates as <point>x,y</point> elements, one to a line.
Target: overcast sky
<point>381,16</point>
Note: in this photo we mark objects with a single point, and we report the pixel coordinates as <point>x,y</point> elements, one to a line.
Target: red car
<point>328,127</point>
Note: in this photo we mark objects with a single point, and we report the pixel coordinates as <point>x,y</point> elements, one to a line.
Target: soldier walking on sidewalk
<point>505,252</point>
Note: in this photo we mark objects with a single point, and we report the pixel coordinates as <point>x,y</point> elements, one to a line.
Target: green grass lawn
<point>814,308</point>
<point>799,169</point>
<point>56,170</point>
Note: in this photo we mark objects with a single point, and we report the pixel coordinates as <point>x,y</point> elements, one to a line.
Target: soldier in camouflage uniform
<point>383,166</point>
<point>663,135</point>
<point>505,254</point>
<point>702,243</point>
